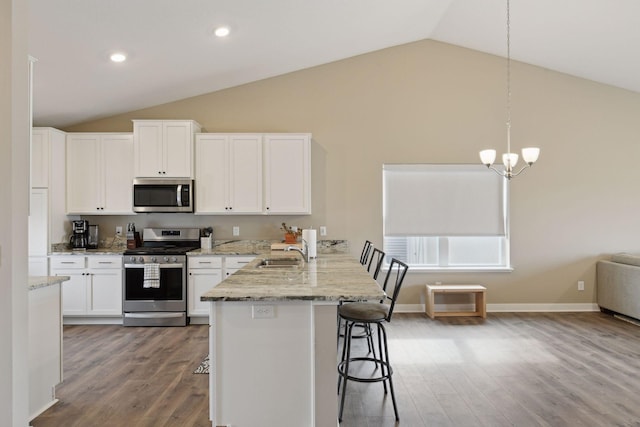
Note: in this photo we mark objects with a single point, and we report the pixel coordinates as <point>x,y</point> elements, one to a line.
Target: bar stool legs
<point>382,361</point>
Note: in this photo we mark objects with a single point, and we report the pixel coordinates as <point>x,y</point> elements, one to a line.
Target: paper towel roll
<point>309,236</point>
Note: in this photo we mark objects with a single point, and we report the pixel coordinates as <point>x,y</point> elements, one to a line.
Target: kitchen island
<point>45,341</point>
<point>273,346</point>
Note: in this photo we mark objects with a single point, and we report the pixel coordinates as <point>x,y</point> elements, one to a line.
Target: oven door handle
<point>161,266</point>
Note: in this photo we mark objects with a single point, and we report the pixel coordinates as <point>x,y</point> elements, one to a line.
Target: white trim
<point>409,308</point>
<point>551,307</point>
<point>79,320</point>
<point>198,320</point>
<point>503,308</point>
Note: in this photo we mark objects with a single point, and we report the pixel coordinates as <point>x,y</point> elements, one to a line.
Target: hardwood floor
<point>116,376</point>
<point>513,369</point>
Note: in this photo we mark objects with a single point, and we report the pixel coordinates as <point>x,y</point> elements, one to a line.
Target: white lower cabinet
<point>205,272</point>
<point>95,285</point>
<point>235,263</point>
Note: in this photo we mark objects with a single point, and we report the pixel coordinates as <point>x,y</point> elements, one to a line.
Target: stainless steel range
<point>155,282</point>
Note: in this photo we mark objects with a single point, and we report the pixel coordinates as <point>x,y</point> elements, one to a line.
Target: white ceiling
<point>172,53</point>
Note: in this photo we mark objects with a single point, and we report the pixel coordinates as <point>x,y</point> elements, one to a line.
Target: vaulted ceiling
<point>173,54</point>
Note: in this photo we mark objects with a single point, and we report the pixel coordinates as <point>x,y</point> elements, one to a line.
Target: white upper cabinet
<point>228,173</point>
<point>164,148</point>
<point>287,173</point>
<point>253,173</point>
<point>99,173</point>
<point>44,142</point>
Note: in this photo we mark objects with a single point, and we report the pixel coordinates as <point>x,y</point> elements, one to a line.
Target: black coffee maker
<point>80,234</point>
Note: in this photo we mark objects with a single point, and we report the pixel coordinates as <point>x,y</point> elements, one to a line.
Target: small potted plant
<point>291,235</point>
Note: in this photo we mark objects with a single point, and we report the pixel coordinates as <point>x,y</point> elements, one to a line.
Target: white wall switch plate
<point>323,230</point>
<point>236,230</point>
<point>119,231</point>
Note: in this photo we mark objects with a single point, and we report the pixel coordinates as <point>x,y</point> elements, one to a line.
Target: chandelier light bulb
<point>530,154</point>
<point>510,160</point>
<point>487,157</point>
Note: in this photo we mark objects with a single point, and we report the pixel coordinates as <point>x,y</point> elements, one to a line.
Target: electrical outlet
<point>119,231</point>
<point>236,230</point>
<point>580,285</point>
<point>323,230</point>
<point>263,311</point>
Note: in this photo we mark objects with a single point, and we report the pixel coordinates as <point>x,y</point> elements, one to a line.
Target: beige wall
<point>436,103</point>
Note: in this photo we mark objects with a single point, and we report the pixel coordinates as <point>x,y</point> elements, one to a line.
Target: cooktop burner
<point>167,241</point>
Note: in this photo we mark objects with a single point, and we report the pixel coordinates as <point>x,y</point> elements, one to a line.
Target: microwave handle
<point>179,195</point>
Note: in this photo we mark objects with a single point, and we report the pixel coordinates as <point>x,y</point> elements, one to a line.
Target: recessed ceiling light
<point>118,57</point>
<point>222,31</point>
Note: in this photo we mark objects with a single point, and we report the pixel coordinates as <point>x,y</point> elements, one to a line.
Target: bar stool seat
<point>363,312</point>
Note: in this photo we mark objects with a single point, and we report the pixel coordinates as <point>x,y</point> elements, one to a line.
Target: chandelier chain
<point>508,78</point>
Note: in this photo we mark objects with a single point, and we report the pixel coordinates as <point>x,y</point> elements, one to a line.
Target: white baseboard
<point>569,307</point>
<point>503,308</point>
<point>198,320</point>
<point>79,320</point>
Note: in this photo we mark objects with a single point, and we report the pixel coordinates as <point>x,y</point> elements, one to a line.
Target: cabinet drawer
<point>205,262</point>
<point>237,261</point>
<point>105,261</point>
<point>71,261</point>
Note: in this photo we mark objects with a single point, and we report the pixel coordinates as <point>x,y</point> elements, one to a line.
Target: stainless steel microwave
<point>162,195</point>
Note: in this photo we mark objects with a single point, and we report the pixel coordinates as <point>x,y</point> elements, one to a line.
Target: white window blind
<point>443,200</point>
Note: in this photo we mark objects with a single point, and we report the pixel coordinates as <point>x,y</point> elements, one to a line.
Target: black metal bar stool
<point>364,256</point>
<point>370,314</point>
<point>377,256</point>
<point>375,261</point>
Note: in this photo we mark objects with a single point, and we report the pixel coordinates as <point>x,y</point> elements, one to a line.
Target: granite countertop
<point>37,282</point>
<point>330,277</point>
<point>220,247</point>
<point>99,251</point>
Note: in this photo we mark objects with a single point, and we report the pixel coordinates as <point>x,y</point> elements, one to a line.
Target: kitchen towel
<point>309,236</point>
<point>151,276</point>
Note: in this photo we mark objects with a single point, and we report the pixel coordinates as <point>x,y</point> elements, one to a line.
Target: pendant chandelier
<point>509,159</point>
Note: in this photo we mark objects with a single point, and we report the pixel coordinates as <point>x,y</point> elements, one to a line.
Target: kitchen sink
<point>279,263</point>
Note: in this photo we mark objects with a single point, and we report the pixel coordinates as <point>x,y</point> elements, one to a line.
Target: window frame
<point>504,251</point>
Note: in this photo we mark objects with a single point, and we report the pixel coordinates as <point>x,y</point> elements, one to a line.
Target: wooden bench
<point>477,290</point>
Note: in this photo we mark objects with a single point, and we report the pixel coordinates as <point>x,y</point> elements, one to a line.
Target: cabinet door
<point>211,174</point>
<point>74,292</point>
<point>105,287</point>
<point>245,179</point>
<point>178,149</point>
<point>148,154</point>
<point>200,281</point>
<point>287,173</point>
<point>117,162</point>
<point>39,158</point>
<point>84,194</point>
<point>39,222</point>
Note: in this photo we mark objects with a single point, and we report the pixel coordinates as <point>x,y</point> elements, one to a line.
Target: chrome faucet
<point>304,251</point>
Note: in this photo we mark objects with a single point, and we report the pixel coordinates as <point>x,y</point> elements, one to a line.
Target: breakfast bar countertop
<point>37,282</point>
<point>330,277</point>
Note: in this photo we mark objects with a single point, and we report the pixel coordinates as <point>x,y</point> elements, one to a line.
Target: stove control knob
<point>174,259</point>
<point>153,259</point>
<point>166,259</point>
<point>140,259</point>
<point>132,259</point>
